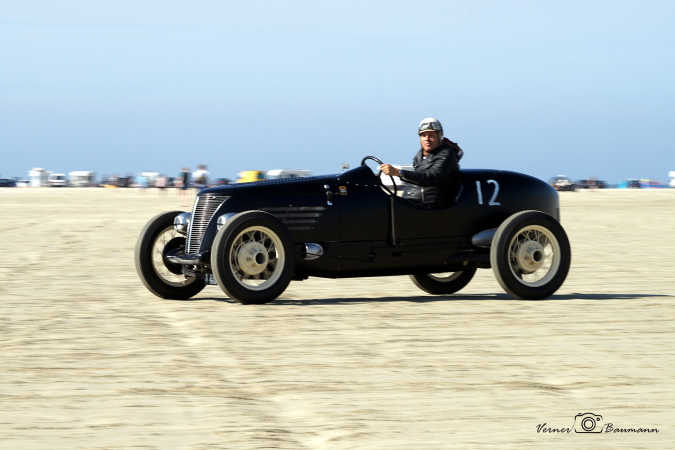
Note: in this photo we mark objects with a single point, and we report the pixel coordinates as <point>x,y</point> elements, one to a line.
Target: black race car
<point>252,239</point>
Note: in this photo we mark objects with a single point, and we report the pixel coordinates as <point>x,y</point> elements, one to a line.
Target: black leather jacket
<point>437,175</point>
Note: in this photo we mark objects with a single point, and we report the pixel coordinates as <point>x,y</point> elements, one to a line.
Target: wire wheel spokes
<point>257,257</point>
<point>534,255</point>
<point>168,276</point>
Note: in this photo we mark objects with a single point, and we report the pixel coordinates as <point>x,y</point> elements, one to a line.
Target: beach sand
<point>92,360</point>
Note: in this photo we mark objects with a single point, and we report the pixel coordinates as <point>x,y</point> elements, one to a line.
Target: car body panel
<point>350,215</point>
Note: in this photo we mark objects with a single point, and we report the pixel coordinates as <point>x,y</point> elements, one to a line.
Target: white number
<point>493,200</point>
<point>494,194</point>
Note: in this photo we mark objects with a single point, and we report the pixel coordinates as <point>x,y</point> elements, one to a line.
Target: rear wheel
<point>530,255</point>
<point>252,257</point>
<point>158,274</point>
<point>443,283</point>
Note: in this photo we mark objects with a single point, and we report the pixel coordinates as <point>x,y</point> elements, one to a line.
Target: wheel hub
<point>252,258</point>
<point>530,256</point>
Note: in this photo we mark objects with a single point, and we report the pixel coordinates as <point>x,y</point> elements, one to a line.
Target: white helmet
<point>430,124</point>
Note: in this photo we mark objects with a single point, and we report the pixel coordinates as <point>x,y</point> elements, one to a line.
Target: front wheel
<point>530,255</point>
<point>252,257</point>
<point>443,283</point>
<point>162,277</point>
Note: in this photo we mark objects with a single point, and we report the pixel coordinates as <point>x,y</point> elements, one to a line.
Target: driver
<point>436,166</point>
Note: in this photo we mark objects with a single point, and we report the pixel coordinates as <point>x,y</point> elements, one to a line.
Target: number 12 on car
<point>493,199</point>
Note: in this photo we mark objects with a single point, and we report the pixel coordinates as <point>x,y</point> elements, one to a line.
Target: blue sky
<point>582,88</point>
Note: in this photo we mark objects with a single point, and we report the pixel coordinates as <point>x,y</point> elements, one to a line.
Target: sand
<point>92,360</point>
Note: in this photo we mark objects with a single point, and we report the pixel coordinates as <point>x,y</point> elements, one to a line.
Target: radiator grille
<point>204,209</point>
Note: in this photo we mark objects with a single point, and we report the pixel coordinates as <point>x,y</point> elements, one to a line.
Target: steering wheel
<point>379,172</point>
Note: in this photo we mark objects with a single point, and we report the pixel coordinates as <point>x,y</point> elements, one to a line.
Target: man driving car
<point>436,166</point>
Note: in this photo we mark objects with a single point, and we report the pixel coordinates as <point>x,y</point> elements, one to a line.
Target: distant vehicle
<point>646,183</point>
<point>276,174</point>
<point>81,178</point>
<point>671,175</point>
<point>109,182</point>
<point>38,177</point>
<point>562,183</point>
<point>631,183</point>
<point>114,182</point>
<point>7,182</point>
<point>591,183</point>
<point>22,183</point>
<point>251,176</point>
<point>57,180</point>
<point>222,181</point>
<point>125,182</point>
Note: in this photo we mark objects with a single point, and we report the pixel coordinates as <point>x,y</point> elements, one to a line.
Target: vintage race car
<point>252,239</point>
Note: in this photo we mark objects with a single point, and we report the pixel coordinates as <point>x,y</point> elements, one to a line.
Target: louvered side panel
<point>298,218</point>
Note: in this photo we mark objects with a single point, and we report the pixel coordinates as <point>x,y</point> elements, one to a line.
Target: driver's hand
<point>388,169</point>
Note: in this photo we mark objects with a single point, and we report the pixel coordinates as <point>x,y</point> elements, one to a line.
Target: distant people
<point>161,182</point>
<point>201,176</point>
<point>184,178</point>
<point>183,181</point>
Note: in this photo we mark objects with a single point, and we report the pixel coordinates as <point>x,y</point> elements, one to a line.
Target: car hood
<point>268,184</point>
